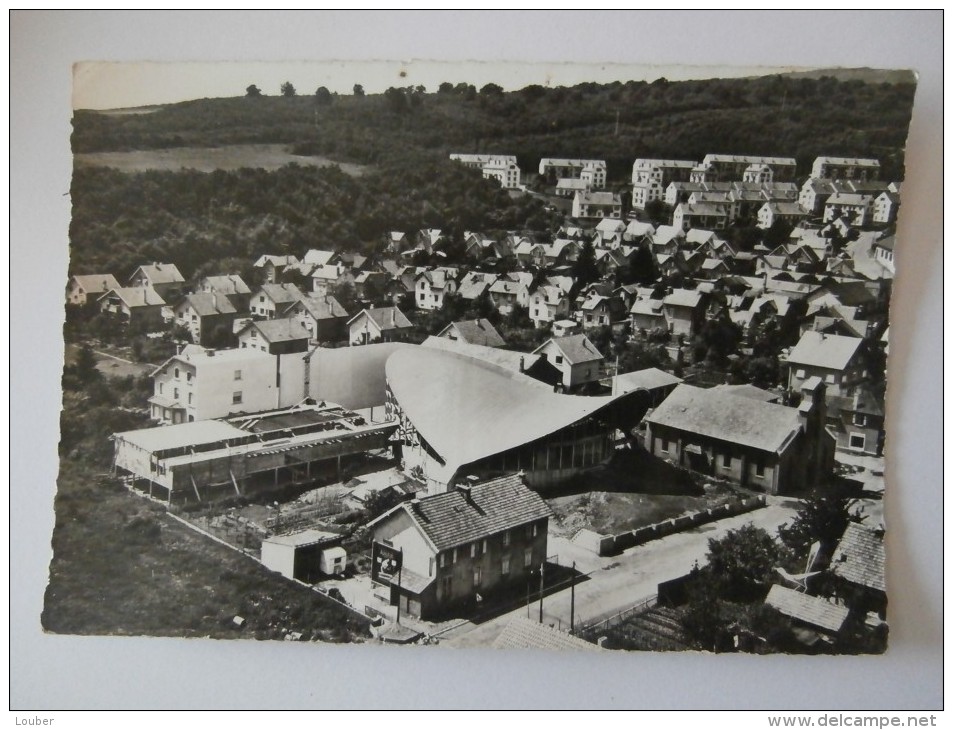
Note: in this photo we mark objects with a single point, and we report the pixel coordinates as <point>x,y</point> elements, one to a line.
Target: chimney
<point>522,364</point>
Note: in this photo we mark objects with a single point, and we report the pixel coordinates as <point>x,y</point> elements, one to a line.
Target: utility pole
<point>400,571</point>
<point>572,599</point>
<point>542,571</point>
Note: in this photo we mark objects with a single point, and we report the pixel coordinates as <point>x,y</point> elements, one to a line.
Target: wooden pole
<point>572,599</point>
<point>542,572</point>
<point>400,570</point>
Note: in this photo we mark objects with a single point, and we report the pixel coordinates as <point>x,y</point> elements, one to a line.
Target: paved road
<point>616,583</point>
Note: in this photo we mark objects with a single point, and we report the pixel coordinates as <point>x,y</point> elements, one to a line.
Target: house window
<point>535,530</point>
<point>505,565</point>
<point>430,571</point>
<point>858,441</point>
<point>188,377</point>
<point>190,399</point>
<point>473,549</point>
<point>484,546</point>
<point>830,378</point>
<point>527,557</point>
<point>726,461</point>
<point>160,388</point>
<point>244,344</point>
<point>477,576</point>
<point>237,397</point>
<point>454,555</point>
<point>177,373</point>
<point>443,560</point>
<point>506,538</point>
<point>759,468</point>
<point>254,333</point>
<point>261,299</point>
<point>860,419</point>
<point>558,359</point>
<point>664,447</point>
<point>238,375</point>
<point>175,393</point>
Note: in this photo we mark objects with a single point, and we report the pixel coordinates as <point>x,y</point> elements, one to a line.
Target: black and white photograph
<point>445,356</point>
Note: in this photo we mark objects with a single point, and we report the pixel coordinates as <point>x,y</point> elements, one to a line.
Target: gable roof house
<point>473,332</point>
<point>549,303</point>
<point>601,311</point>
<point>457,547</point>
<point>231,286</point>
<point>324,277</point>
<point>324,319</point>
<point>576,358</point>
<point>384,324</point>
<point>208,317</point>
<point>273,266</point>
<point>648,315</point>
<point>859,563</point>
<point>780,212</point>
<point>835,359</point>
<point>275,336</point>
<point>166,279</point>
<point>507,294</point>
<point>84,289</point>
<point>596,205</point>
<point>272,300</point>
<point>137,306</point>
<point>855,208</point>
<point>753,443</point>
<point>432,287</point>
<point>684,311</point>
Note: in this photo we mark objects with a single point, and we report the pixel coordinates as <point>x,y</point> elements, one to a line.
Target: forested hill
<point>772,115</point>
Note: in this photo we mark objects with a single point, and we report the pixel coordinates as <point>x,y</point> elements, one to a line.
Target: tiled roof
<point>227,284</point>
<point>860,558</point>
<point>450,519</point>
<point>727,417</point>
<point>811,610</point>
<point>207,304</point>
<point>386,318</point>
<point>96,282</point>
<point>280,330</point>
<point>161,273</point>
<point>137,296</point>
<point>478,332</point>
<point>833,352</point>
<point>326,307</point>
<point>282,293</point>
<point>524,633</point>
<point>576,349</point>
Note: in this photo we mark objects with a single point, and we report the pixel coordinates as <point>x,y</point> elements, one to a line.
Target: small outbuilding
<point>307,556</point>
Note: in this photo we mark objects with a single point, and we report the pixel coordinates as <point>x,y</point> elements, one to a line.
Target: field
<point>207,159</point>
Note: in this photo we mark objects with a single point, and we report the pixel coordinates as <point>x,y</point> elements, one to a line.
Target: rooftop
<point>812,610</point>
<point>860,558</point>
<point>833,352</point>
<point>575,348</point>
<point>451,519</point>
<point>524,633</point>
<point>476,332</point>
<point>727,417</point>
<point>649,378</point>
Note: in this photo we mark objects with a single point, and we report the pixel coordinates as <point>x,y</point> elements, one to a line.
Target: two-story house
<point>383,324</point>
<point>323,317</point>
<point>273,300</point>
<point>275,336</point>
<point>165,279</point>
<point>473,332</point>
<point>684,311</point>
<point>85,289</point>
<point>136,306</point>
<point>208,317</point>
<point>231,286</point>
<point>576,358</point>
<point>433,286</point>
<point>445,553</point>
<point>835,359</point>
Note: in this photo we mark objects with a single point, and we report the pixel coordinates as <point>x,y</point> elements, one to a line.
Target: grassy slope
<point>121,566</point>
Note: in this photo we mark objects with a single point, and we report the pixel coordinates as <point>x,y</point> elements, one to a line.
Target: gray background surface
<point>58,672</point>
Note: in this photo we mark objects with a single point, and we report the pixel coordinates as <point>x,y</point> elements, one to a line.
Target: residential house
<point>667,239</point>
<point>758,173</point>
<point>661,171</point>
<point>817,615</point>
<point>724,200</point>
<point>712,269</point>
<point>858,422</point>
<point>858,565</point>
<point>680,192</point>
<point>473,332</point>
<point>273,266</point>
<point>275,336</point>
<point>371,286</point>
<point>815,193</point>
<point>396,242</point>
<point>733,167</point>
<point>231,286</point>
<point>771,213</point>
<point>575,357</point>
<point>548,304</point>
<point>384,324</point>
<point>474,284</point>
<point>326,277</point>
<point>648,315</point>
<point>445,553</point>
<point>137,306</point>
<point>856,209</point>
<point>567,187</point>
<point>883,253</point>
<point>608,233</point>
<point>433,286</point>
<point>684,311</point>
<point>320,257</point>
<point>657,384</point>
<point>165,279</point>
<point>208,317</point>
<point>85,289</point>
<point>429,239</point>
<point>835,359</point>
<point>506,172</point>
<point>507,294</point>
<point>845,168</point>
<point>638,231</point>
<point>593,171</point>
<point>759,445</point>
<point>273,300</point>
<point>701,215</point>
<point>886,206</point>
<point>601,311</point>
<point>596,205</point>
<point>324,319</point>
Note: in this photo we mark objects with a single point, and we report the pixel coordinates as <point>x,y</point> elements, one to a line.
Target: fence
<point>614,544</point>
<point>595,628</point>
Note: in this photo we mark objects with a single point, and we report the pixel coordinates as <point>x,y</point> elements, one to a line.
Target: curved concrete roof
<point>467,409</point>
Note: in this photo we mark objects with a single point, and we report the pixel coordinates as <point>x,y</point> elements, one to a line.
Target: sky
<point>115,85</point>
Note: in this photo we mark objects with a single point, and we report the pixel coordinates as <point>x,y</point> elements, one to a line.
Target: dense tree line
<point>190,218</point>
<point>771,115</point>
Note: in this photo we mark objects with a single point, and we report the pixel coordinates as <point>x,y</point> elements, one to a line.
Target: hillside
<point>789,115</point>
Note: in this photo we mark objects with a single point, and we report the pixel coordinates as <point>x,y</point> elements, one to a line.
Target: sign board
<point>385,563</point>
